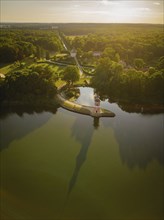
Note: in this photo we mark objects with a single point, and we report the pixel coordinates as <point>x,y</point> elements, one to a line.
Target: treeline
<point>126,45</point>
<point>18,44</point>
<point>130,84</point>
<point>30,85</point>
<point>99,28</point>
<point>128,60</point>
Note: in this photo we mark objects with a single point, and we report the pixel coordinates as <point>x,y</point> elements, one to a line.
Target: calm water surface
<point>67,166</point>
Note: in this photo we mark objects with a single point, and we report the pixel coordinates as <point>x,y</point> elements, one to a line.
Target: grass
<point>27,62</point>
<point>59,55</point>
<point>5,68</point>
<point>59,83</point>
<point>82,80</point>
<point>75,107</point>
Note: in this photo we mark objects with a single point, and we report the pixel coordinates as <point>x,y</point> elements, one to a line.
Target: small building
<point>73,52</point>
<point>97,53</point>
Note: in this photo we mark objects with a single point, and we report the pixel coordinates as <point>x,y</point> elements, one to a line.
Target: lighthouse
<point>97,103</point>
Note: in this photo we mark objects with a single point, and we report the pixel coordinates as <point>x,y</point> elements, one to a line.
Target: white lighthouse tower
<point>97,103</point>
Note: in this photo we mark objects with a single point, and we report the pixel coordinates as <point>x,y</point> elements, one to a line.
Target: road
<point>75,58</point>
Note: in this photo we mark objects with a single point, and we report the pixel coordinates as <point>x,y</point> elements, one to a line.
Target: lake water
<point>67,166</point>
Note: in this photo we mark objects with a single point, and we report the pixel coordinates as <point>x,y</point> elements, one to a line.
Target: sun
<point>107,2</point>
<point>125,14</point>
<point>104,2</point>
<point>123,11</point>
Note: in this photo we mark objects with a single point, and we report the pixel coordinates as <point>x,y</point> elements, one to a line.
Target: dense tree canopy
<point>111,78</point>
<point>18,44</point>
<point>131,61</point>
<point>38,80</point>
<point>128,59</point>
<point>130,44</point>
<point>71,74</point>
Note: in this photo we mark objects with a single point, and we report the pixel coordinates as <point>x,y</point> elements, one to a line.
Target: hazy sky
<point>106,11</point>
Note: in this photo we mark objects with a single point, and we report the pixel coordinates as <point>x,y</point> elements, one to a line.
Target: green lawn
<point>5,68</point>
<point>59,83</point>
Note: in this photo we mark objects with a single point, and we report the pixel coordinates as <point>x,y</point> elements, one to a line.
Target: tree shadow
<point>141,142</point>
<point>18,122</point>
<point>140,138</point>
<point>82,131</point>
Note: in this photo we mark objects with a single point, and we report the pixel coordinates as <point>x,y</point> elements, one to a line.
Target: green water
<point>66,166</point>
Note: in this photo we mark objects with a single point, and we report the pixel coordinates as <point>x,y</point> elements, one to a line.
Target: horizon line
<point>28,22</point>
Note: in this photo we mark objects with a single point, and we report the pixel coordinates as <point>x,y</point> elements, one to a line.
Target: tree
<point>151,70</point>
<point>38,52</point>
<point>107,74</point>
<point>109,52</point>
<point>8,53</point>
<point>71,74</point>
<point>139,63</point>
<point>160,63</point>
<point>47,55</point>
<point>35,81</point>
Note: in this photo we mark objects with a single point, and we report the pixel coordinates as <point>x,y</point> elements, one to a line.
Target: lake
<point>67,166</point>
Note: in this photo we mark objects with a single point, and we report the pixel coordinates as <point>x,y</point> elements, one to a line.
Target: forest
<point>27,81</point>
<point>124,62</point>
<point>128,60</point>
<point>16,44</point>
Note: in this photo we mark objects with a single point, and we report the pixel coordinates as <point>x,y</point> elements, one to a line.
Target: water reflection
<point>16,122</point>
<point>140,140</point>
<point>141,108</point>
<point>96,122</point>
<point>20,110</point>
<point>139,136</point>
<point>82,131</point>
<point>15,127</point>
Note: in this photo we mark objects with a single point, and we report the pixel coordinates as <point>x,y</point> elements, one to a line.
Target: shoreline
<point>83,109</point>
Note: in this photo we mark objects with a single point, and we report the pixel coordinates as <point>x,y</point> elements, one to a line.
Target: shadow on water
<point>141,141</point>
<point>82,131</point>
<point>96,122</point>
<point>140,138</point>
<point>139,135</point>
<point>19,122</point>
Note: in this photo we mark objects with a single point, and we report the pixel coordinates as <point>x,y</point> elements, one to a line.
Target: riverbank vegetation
<point>129,84</point>
<point>34,85</point>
